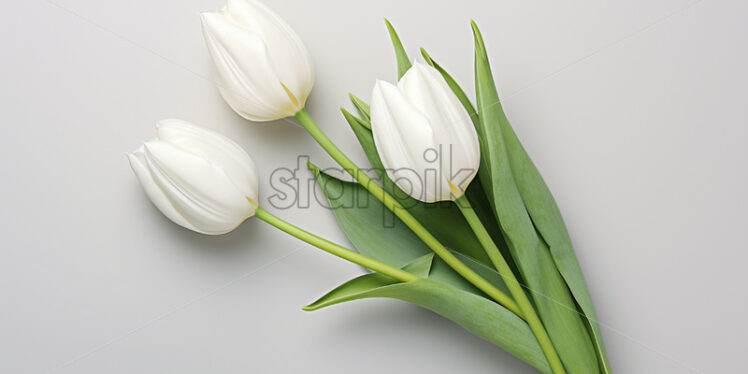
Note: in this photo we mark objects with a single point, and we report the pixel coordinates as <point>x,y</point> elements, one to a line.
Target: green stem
<point>511,281</point>
<point>303,117</point>
<point>335,249</point>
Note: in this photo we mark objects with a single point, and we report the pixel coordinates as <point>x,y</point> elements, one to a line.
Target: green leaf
<point>403,63</point>
<point>442,272</point>
<point>442,219</point>
<point>363,110</point>
<point>546,217</point>
<point>368,224</point>
<point>420,267</point>
<point>362,130</point>
<point>476,314</point>
<point>553,299</point>
<point>393,244</point>
<point>361,220</point>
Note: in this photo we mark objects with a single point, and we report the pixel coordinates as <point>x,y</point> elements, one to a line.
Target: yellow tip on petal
<point>454,189</point>
<point>291,95</point>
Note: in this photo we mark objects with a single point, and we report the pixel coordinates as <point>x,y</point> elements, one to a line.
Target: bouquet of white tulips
<point>478,237</point>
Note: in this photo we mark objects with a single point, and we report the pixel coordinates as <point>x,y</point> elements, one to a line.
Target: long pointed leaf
<point>367,223</point>
<point>546,216</point>
<point>395,245</point>
<point>476,314</point>
<point>403,63</point>
<point>363,110</point>
<point>362,225</point>
<point>553,299</point>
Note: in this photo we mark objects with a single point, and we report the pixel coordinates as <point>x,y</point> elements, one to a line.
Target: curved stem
<point>512,283</point>
<point>335,249</point>
<point>350,167</point>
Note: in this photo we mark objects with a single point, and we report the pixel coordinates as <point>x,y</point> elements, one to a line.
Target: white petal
<point>426,90</point>
<point>403,138</point>
<point>138,165</point>
<point>248,80</point>
<point>216,148</point>
<point>200,190</point>
<point>287,52</point>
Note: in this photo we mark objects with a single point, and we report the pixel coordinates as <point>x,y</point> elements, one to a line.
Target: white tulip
<point>424,135</point>
<point>264,70</point>
<point>199,179</point>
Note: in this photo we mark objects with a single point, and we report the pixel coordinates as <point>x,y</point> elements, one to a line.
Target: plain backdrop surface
<point>634,111</point>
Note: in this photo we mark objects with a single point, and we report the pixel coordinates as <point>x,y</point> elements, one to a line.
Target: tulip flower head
<point>199,179</point>
<point>424,135</point>
<point>264,70</point>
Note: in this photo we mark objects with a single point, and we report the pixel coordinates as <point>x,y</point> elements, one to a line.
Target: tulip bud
<point>199,179</point>
<point>264,70</point>
<point>424,136</point>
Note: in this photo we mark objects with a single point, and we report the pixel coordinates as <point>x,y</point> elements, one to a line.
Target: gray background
<point>633,110</point>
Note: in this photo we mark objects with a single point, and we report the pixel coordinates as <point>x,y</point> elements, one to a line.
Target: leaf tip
<point>309,308</point>
<point>393,35</point>
<point>355,99</point>
<point>388,24</point>
<point>314,168</point>
<point>424,53</point>
<point>348,116</point>
<point>480,47</point>
<point>476,31</point>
